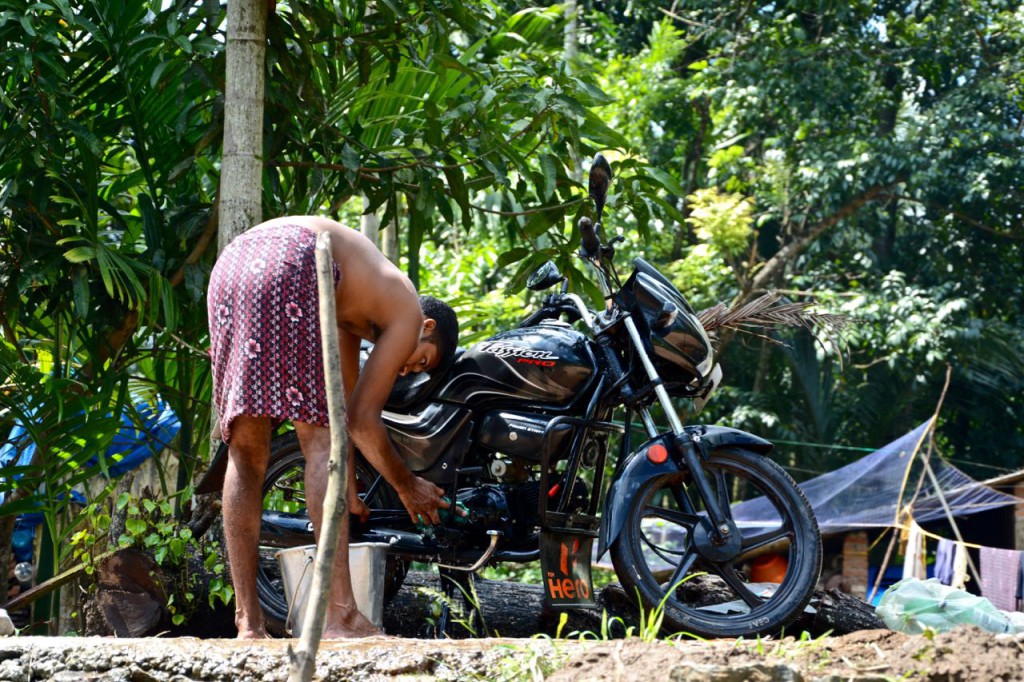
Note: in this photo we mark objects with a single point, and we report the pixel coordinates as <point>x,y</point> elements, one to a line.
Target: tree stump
<point>130,599</point>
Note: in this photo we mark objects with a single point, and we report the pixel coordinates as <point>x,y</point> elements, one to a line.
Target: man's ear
<point>428,326</point>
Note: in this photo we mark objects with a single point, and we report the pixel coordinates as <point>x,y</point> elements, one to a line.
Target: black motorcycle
<point>518,431</point>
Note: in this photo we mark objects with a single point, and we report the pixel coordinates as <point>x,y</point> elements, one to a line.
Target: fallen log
<point>516,610</point>
<point>129,600</point>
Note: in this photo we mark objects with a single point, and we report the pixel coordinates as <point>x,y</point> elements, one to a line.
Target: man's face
<point>425,358</point>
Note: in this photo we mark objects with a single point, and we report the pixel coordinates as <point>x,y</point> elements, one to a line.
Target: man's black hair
<point>446,333</point>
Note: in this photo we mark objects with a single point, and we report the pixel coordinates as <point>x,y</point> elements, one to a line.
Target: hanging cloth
<point>913,558</point>
<point>944,557</point>
<point>1020,586</point>
<point>999,575</point>
<point>959,580</point>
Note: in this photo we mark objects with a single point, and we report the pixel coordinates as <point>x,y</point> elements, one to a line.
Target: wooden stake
<point>336,498</point>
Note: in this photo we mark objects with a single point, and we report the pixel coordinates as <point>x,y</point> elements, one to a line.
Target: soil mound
<point>960,655</point>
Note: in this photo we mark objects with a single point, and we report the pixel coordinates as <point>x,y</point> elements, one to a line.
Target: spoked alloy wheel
<point>666,545</point>
<point>286,524</point>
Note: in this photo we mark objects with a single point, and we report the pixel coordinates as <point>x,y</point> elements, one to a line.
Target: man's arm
<point>349,344</point>
<point>363,414</point>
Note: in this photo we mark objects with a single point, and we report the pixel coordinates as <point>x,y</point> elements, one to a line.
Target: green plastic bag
<point>912,605</point>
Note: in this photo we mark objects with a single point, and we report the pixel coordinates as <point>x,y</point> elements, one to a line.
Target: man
<point>268,368</point>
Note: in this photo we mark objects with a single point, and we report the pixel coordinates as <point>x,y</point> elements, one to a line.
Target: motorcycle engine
<point>509,508</point>
<point>487,507</point>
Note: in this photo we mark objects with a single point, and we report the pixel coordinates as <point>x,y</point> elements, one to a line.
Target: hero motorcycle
<point>519,430</point>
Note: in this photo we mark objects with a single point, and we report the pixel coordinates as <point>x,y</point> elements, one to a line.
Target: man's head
<point>445,331</point>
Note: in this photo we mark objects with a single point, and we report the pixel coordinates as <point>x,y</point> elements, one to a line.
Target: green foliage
<point>150,525</point>
<point>879,147</point>
<point>467,276</point>
<point>723,220</point>
<point>452,114</point>
<point>107,179</point>
<point>70,429</point>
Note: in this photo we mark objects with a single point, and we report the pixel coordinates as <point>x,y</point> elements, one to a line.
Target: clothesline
<point>1001,578</point>
<point>939,537</point>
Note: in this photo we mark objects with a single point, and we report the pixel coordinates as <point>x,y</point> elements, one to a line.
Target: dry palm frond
<point>767,313</point>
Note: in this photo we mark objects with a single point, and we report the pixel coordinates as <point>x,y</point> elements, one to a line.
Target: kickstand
<point>459,585</point>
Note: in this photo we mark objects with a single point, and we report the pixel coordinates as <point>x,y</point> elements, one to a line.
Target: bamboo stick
<point>335,500</point>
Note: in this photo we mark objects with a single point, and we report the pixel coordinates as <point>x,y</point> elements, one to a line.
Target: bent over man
<point>268,368</point>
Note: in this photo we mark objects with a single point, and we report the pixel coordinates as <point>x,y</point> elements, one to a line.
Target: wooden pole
<point>335,500</point>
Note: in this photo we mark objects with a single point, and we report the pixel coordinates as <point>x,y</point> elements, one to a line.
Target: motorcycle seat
<point>412,389</point>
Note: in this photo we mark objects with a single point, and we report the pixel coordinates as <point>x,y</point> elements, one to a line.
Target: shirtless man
<point>268,368</point>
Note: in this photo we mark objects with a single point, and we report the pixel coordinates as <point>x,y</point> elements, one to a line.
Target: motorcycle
<point>517,431</point>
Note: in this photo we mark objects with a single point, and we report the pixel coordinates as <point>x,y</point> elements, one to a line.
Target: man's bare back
<point>372,292</point>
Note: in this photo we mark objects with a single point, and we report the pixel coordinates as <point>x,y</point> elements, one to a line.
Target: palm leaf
<point>771,312</point>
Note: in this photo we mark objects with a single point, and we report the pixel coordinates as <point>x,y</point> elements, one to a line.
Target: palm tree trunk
<point>570,52</point>
<point>571,41</point>
<point>390,245</point>
<point>370,225</point>
<point>241,174</point>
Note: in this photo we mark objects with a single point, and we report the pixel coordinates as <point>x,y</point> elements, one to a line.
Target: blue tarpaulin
<point>144,432</point>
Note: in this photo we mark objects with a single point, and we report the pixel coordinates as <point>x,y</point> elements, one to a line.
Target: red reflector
<point>554,490</point>
<point>657,454</point>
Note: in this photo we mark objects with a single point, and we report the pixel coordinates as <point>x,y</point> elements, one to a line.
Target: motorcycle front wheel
<point>664,554</point>
<point>286,524</point>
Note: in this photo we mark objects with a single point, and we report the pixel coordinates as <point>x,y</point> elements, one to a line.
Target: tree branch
<point>977,224</point>
<point>208,235</point>
<point>776,265</point>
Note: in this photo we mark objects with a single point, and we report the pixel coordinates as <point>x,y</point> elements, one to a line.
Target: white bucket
<point>366,563</point>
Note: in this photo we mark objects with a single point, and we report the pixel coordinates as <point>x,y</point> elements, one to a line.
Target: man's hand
<point>422,499</point>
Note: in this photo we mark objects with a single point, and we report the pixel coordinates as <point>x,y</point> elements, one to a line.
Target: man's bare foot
<point>251,628</point>
<point>356,625</point>
<point>253,634</point>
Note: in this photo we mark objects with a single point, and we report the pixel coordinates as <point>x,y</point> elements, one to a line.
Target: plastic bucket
<point>366,563</point>
<point>769,568</point>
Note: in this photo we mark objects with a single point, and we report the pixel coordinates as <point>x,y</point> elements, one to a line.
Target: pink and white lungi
<point>265,328</point>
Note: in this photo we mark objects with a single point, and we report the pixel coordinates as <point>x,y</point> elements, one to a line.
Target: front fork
<point>721,520</point>
<point>689,448</point>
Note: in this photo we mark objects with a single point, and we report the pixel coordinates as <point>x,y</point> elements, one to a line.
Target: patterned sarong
<point>265,328</point>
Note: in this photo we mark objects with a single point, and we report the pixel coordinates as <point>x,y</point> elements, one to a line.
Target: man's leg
<point>343,618</point>
<point>248,454</point>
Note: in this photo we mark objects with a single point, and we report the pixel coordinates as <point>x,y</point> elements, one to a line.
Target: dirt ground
<point>963,654</point>
<point>874,655</point>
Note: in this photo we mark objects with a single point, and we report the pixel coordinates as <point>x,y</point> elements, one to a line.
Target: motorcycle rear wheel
<point>657,552</point>
<point>284,491</point>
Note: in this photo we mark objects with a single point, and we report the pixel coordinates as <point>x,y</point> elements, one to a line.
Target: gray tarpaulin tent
<point>870,492</point>
<point>867,493</point>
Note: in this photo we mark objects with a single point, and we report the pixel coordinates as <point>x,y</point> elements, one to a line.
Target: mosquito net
<point>869,492</point>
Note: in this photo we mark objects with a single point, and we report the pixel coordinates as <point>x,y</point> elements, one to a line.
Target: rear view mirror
<point>543,277</point>
<point>600,179</point>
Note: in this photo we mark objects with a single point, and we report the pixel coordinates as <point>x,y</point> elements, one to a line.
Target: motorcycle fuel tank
<point>550,364</point>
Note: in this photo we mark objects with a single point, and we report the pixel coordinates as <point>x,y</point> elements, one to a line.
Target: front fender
<point>639,469</point>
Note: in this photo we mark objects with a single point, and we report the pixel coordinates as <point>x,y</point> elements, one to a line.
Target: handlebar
<point>556,305</point>
<point>537,316</point>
